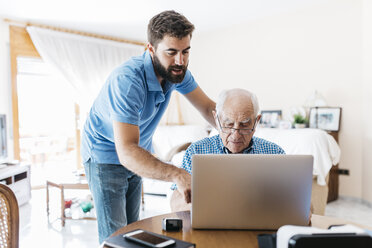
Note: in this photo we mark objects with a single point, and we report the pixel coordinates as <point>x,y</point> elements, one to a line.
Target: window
<point>46,120</point>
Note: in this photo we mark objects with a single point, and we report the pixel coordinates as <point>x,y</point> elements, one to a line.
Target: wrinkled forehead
<point>237,117</point>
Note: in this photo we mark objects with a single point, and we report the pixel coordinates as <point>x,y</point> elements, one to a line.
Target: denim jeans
<point>117,196</point>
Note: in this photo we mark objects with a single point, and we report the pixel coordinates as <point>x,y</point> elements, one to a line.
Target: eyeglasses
<point>242,131</point>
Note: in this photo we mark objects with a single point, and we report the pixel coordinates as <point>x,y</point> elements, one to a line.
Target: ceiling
<point>128,19</point>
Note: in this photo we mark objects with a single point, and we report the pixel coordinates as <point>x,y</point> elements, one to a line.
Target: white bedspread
<point>305,141</point>
<point>167,137</point>
<point>294,141</point>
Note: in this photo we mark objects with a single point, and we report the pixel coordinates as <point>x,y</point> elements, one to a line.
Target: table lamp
<point>315,100</point>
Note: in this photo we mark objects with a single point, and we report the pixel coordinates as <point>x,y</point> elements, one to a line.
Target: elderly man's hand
<point>183,182</point>
<point>311,213</point>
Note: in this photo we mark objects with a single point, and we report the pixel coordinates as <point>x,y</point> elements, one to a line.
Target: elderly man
<point>236,117</point>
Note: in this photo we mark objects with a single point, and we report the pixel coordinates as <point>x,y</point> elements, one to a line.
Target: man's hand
<point>183,181</point>
<point>177,202</point>
<point>311,213</point>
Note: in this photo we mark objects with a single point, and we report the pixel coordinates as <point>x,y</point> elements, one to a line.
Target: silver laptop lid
<point>246,191</point>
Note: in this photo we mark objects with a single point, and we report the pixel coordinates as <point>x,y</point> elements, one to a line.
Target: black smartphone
<point>148,239</point>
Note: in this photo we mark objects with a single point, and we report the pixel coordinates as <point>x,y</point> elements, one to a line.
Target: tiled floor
<point>36,231</point>
<point>350,209</point>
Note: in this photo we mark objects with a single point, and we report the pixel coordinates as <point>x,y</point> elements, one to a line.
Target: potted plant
<point>299,121</point>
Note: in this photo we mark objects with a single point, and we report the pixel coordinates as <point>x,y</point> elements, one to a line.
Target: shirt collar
<point>151,79</point>
<point>245,151</point>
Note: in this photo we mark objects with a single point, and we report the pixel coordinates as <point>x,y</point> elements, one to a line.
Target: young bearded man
<point>117,137</point>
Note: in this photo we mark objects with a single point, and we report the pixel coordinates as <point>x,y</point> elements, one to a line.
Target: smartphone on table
<point>148,239</point>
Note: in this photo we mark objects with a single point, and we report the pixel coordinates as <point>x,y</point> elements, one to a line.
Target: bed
<point>316,142</point>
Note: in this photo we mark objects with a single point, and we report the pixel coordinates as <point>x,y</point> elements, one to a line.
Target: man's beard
<point>167,73</point>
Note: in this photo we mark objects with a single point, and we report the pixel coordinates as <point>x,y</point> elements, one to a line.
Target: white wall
<point>5,85</point>
<point>284,58</point>
<point>367,101</point>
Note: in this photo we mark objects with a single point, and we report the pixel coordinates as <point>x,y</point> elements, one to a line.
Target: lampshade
<point>315,100</point>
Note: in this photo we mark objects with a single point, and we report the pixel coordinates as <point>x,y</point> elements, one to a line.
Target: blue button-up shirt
<point>214,145</point>
<point>132,94</point>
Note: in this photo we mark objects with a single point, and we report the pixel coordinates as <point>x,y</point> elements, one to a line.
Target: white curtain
<point>84,61</point>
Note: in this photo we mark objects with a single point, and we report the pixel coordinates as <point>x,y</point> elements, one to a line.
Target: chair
<point>9,218</point>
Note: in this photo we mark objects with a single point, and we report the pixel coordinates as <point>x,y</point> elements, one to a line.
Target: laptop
<point>249,191</point>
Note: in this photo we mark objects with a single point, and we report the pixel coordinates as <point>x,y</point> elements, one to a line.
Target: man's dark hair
<point>168,23</point>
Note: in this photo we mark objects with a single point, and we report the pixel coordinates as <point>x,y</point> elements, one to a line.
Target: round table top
<point>213,238</point>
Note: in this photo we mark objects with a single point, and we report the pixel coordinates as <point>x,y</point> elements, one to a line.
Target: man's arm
<point>178,203</point>
<point>141,162</point>
<point>202,103</point>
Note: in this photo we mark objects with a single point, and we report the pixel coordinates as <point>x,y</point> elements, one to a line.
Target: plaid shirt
<point>214,145</point>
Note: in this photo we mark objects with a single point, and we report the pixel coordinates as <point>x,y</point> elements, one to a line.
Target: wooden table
<point>213,238</point>
<point>62,186</point>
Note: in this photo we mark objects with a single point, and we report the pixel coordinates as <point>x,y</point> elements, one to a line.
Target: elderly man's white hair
<point>234,93</point>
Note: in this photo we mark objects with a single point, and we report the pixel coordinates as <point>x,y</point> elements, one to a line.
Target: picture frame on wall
<point>270,118</point>
<point>326,118</point>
